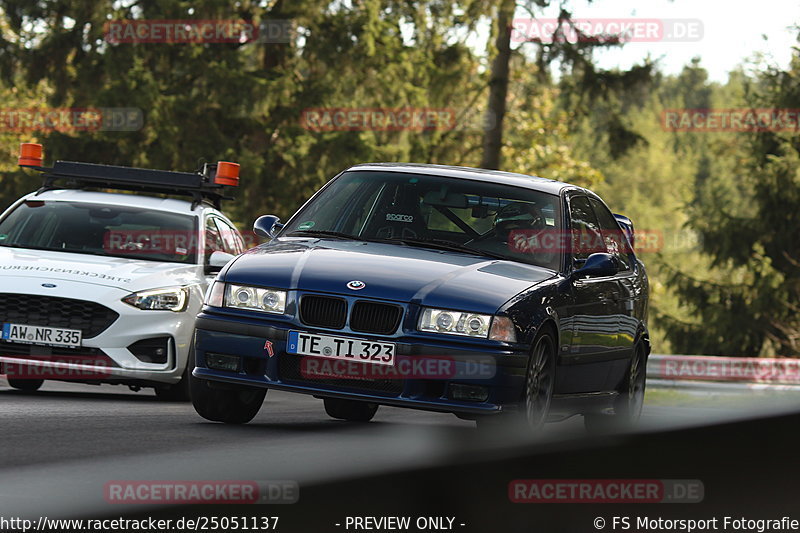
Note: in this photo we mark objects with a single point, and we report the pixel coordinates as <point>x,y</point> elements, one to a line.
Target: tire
<point>179,392</point>
<point>27,385</point>
<point>235,404</point>
<point>182,390</point>
<point>537,393</point>
<point>628,405</point>
<point>350,410</point>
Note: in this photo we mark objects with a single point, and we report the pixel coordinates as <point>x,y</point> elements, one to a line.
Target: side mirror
<point>217,260</point>
<point>267,226</point>
<point>597,266</point>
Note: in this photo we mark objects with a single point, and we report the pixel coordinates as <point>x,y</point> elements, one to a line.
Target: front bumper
<point>274,368</point>
<point>105,357</point>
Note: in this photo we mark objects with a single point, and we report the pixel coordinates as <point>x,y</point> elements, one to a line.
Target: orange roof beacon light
<point>30,155</point>
<point>227,174</point>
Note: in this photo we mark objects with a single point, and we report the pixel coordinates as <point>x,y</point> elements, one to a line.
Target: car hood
<point>126,274</point>
<point>392,272</point>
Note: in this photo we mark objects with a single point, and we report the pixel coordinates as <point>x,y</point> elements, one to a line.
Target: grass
<point>749,399</point>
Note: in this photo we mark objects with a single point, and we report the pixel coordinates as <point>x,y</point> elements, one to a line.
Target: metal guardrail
<point>723,374</point>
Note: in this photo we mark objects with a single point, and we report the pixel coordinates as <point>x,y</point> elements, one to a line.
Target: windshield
<point>105,230</point>
<point>477,217</point>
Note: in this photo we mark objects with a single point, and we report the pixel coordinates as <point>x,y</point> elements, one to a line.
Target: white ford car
<point>103,287</point>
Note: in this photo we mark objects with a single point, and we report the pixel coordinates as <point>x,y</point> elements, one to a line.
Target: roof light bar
<point>208,184</point>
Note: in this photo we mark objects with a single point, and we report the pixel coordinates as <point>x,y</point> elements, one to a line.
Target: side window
<point>214,241</point>
<point>614,238</point>
<point>230,237</point>
<point>585,231</point>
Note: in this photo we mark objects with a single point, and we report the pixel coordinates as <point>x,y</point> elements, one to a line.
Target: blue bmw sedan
<point>490,295</point>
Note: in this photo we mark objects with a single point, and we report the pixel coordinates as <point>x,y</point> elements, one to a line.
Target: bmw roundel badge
<point>356,285</point>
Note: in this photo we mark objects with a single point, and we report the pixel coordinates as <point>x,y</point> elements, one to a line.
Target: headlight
<point>255,298</point>
<point>455,323</point>
<point>172,299</point>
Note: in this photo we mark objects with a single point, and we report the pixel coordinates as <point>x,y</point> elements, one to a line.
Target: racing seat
<point>400,219</point>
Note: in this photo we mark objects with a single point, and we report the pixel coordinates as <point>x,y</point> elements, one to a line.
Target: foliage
<point>725,277</point>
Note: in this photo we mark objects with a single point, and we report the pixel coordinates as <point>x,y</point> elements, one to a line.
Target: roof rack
<point>208,184</point>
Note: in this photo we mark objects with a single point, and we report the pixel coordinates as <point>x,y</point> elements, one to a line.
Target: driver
<point>520,229</point>
<point>516,220</point>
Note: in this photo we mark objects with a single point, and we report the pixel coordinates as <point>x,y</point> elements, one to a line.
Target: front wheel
<point>539,382</point>
<point>233,404</point>
<point>537,394</point>
<point>179,392</point>
<point>26,385</point>
<point>350,410</point>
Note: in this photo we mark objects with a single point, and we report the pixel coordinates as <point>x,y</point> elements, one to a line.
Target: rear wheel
<point>350,410</point>
<point>233,404</point>
<point>628,405</point>
<point>27,385</point>
<point>537,393</point>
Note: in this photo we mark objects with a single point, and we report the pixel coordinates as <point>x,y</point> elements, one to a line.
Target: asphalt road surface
<point>61,444</point>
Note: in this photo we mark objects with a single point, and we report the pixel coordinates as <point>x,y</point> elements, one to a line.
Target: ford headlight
<point>455,322</point>
<point>255,299</point>
<point>173,299</point>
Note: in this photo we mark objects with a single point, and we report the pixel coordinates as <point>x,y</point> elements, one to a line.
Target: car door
<point>622,304</point>
<point>592,311</point>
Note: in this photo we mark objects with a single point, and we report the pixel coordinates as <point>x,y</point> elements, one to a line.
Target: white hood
<point>127,274</point>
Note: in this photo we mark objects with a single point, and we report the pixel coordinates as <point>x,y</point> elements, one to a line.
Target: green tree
<point>748,222</point>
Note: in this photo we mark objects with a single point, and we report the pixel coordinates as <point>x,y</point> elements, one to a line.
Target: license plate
<point>41,335</point>
<point>379,353</point>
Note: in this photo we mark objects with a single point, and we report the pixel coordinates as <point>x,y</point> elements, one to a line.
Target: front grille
<point>290,370</point>
<point>89,317</point>
<point>323,311</point>
<point>377,318</point>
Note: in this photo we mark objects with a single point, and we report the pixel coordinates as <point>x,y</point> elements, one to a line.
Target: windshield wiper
<point>321,233</point>
<point>439,244</point>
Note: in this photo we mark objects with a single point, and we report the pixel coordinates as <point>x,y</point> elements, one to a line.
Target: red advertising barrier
<point>724,369</point>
